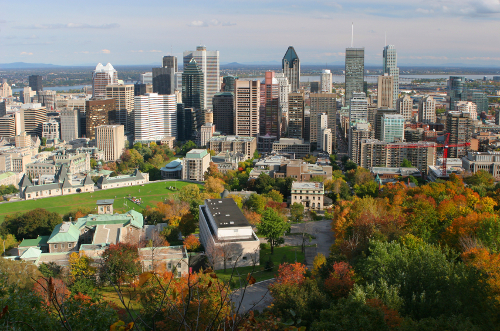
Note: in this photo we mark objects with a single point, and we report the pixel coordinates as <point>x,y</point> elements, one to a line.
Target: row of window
<point>70,245</point>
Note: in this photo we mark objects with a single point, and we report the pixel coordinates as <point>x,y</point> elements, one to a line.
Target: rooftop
<point>231,138</point>
<point>307,185</point>
<point>105,202</point>
<point>196,154</point>
<point>226,213</point>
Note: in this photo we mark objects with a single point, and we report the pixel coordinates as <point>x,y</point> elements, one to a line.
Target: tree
<point>8,189</point>
<point>481,177</point>
<point>192,243</point>
<point>341,281</point>
<point>296,212</point>
<point>30,224</point>
<point>273,227</point>
<point>256,203</point>
<point>349,165</point>
<point>187,147</point>
<point>406,164</point>
<point>319,261</point>
<point>214,186</point>
<point>189,193</point>
<point>80,266</point>
<point>50,269</point>
<point>213,171</point>
<point>120,263</point>
<point>293,273</point>
<point>43,142</point>
<point>275,196</point>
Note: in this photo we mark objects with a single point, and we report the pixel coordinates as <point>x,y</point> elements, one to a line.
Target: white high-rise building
<point>155,116</point>
<point>427,110</point>
<point>390,67</point>
<point>102,77</point>
<point>284,90</point>
<point>467,106</point>
<point>246,108</point>
<point>322,124</point>
<point>326,81</point>
<point>358,108</point>
<point>405,107</point>
<point>392,128</point>
<point>208,61</point>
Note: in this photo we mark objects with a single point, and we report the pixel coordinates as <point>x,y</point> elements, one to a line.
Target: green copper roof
<point>6,175</point>
<point>290,56</point>
<point>196,154</point>
<point>40,240</point>
<point>64,232</point>
<point>31,253</point>
<point>131,217</point>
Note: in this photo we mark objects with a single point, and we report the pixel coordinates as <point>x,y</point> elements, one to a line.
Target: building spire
<point>352,35</point>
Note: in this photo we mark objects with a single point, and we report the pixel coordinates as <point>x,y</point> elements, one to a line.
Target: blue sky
<point>140,32</point>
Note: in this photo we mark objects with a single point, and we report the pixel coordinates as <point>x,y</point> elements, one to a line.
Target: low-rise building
<point>76,163</point>
<point>278,166</point>
<point>195,164</point>
<point>136,178</point>
<point>487,161</point>
<point>226,161</point>
<point>309,194</point>
<point>244,145</point>
<point>172,170</point>
<point>62,185</point>
<point>227,236</point>
<point>292,146</point>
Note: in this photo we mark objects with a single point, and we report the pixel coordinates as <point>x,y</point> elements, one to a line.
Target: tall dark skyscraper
<point>186,123</point>
<point>139,89</point>
<point>270,111</point>
<point>223,108</point>
<point>228,82</point>
<point>354,72</point>
<point>35,82</point>
<point>291,68</point>
<point>456,86</point>
<point>163,80</point>
<point>193,90</point>
<point>170,61</point>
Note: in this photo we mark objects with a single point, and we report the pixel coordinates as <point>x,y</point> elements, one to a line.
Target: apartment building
<point>244,145</point>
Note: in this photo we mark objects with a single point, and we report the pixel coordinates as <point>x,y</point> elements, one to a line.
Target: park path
<point>257,296</point>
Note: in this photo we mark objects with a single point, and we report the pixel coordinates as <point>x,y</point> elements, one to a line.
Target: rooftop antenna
<point>385,39</point>
<point>352,35</point>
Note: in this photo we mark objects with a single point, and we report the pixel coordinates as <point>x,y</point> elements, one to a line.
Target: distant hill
<point>24,65</point>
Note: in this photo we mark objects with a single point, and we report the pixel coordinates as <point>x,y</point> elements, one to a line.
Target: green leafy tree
<point>120,263</point>
<point>297,212</point>
<point>481,177</point>
<point>50,269</point>
<point>256,203</point>
<point>349,165</point>
<point>30,224</point>
<point>187,147</point>
<point>369,189</point>
<point>93,163</point>
<point>273,227</point>
<point>189,193</point>
<point>406,164</point>
<point>8,189</point>
<point>276,196</point>
<point>43,142</point>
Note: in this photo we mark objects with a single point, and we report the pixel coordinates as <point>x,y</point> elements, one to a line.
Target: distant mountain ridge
<point>24,65</point>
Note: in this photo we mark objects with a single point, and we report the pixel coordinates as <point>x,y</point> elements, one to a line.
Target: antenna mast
<point>352,35</point>
<point>385,39</point>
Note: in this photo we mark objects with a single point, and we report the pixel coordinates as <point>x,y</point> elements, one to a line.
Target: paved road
<point>255,297</point>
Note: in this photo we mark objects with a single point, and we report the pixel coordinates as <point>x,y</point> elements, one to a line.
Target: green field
<point>281,254</point>
<point>150,193</point>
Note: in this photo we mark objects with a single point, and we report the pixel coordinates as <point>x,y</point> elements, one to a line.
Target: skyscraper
<point>358,108</point>
<point>459,126</point>
<point>170,61</point>
<point>247,102</point>
<point>404,107</point>
<point>456,86</point>
<point>33,115</point>
<point>323,103</point>
<point>228,83</point>
<point>124,99</point>
<point>390,67</point>
<point>326,81</point>
<point>223,105</point>
<point>296,107</point>
<point>102,77</point>
<point>97,113</point>
<point>354,72</point>
<point>35,82</point>
<point>109,139</point>
<point>385,89</point>
<point>208,62</point>
<point>392,128</point>
<point>163,80</point>
<point>427,110</point>
<point>155,116</point>
<point>193,90</point>
<point>284,91</point>
<point>270,112</point>
<point>70,124</point>
<point>291,68</point>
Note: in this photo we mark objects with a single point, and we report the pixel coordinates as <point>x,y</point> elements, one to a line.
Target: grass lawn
<point>151,194</point>
<point>288,253</point>
<point>130,296</point>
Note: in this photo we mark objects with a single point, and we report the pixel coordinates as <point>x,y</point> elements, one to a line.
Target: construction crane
<point>445,146</point>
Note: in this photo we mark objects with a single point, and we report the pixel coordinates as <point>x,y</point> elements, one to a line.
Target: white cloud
<point>206,24</point>
<point>198,24</point>
<point>69,26</point>
<point>105,51</point>
<point>26,53</point>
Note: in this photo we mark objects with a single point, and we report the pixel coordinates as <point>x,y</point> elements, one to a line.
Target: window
<point>179,274</point>
<point>244,258</point>
<point>69,245</point>
<point>178,265</point>
<point>55,246</point>
<point>169,266</point>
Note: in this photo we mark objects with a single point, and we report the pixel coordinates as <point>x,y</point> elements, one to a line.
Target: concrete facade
<point>309,194</point>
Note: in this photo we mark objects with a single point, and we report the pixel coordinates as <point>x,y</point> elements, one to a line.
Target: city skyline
<point>130,33</point>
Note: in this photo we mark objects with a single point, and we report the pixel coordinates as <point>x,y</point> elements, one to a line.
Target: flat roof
<point>105,202</point>
<point>307,185</point>
<point>226,213</point>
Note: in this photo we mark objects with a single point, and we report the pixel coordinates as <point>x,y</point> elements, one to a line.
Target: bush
<point>269,264</point>
<point>265,246</point>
